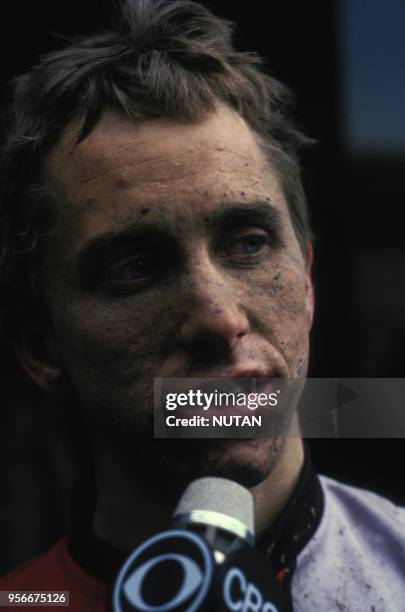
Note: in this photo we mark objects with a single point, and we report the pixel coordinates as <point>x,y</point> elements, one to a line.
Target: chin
<point>248,462</point>
<point>170,465</point>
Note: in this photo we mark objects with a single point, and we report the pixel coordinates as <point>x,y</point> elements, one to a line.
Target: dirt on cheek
<point>105,350</point>
<point>280,306</point>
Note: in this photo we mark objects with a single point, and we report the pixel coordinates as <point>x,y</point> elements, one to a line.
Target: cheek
<point>280,315</point>
<point>108,348</point>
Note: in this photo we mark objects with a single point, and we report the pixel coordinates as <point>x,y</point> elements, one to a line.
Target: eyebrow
<point>238,212</point>
<point>147,233</point>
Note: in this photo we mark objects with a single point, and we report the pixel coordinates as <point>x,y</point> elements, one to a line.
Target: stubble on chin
<point>173,464</point>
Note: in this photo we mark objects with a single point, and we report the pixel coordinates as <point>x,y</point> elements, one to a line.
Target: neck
<point>271,495</point>
<point>128,512</point>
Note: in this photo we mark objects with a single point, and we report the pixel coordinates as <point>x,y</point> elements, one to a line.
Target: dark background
<point>355,187</point>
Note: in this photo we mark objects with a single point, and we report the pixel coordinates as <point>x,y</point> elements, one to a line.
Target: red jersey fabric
<point>55,570</point>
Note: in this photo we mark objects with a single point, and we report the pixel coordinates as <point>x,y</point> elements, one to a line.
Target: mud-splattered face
<point>173,256</point>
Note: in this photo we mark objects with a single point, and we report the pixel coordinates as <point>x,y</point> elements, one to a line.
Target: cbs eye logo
<point>170,572</point>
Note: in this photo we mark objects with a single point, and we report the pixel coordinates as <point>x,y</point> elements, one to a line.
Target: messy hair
<point>159,58</point>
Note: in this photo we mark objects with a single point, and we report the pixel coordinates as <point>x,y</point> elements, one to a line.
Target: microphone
<point>205,561</point>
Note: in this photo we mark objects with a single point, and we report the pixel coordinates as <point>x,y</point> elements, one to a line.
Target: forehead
<point>124,168</point>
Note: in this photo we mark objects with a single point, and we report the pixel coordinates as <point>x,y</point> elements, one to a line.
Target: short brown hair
<point>159,58</point>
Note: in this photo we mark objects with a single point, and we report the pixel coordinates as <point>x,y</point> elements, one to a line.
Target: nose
<point>215,322</point>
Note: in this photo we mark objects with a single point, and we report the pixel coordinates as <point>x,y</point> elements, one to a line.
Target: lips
<point>231,373</point>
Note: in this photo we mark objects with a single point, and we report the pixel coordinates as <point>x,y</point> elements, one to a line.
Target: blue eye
<point>253,244</point>
<point>248,246</point>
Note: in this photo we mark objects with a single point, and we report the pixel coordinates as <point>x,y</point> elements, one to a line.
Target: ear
<point>309,289</point>
<point>37,353</point>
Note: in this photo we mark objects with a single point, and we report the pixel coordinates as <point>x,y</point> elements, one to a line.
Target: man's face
<point>173,255</point>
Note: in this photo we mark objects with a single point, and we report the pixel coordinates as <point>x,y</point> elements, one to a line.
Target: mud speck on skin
<point>274,289</point>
